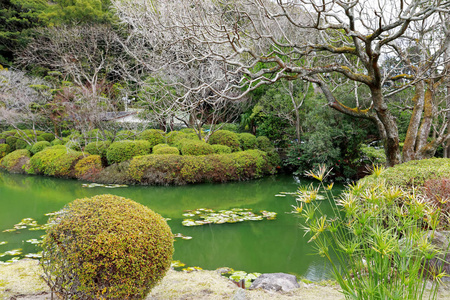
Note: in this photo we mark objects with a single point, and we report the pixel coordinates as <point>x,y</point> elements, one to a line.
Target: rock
<point>440,262</point>
<point>275,282</point>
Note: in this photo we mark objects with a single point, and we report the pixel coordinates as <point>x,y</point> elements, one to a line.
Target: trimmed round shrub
<point>221,149</point>
<point>87,168</point>
<point>55,161</point>
<point>106,247</point>
<point>167,150</point>
<point>125,135</point>
<point>47,136</point>
<point>153,136</point>
<point>39,146</point>
<point>247,141</point>
<point>264,144</point>
<point>98,148</point>
<point>159,146</point>
<point>4,149</point>
<point>59,142</point>
<point>193,147</point>
<point>124,150</point>
<point>187,130</point>
<point>225,137</point>
<point>174,136</point>
<point>22,144</point>
<point>14,161</point>
<point>11,141</point>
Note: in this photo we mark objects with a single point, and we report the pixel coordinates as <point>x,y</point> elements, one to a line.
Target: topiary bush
<point>225,137</point>
<point>4,149</point>
<point>14,161</point>
<point>106,247</point>
<point>124,150</point>
<point>88,168</point>
<point>11,141</point>
<point>167,150</point>
<point>59,141</point>
<point>47,136</point>
<point>39,146</point>
<point>159,146</point>
<point>153,136</point>
<point>76,145</point>
<point>247,141</point>
<point>264,144</point>
<point>221,149</point>
<point>125,135</point>
<point>174,136</point>
<point>55,161</point>
<point>98,148</point>
<point>195,147</point>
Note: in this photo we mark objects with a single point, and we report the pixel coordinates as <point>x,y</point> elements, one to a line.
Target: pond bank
<point>21,281</point>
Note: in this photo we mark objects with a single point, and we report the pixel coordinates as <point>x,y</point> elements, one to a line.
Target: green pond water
<point>253,246</point>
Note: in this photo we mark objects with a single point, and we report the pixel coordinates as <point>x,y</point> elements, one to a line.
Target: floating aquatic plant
<point>33,255</point>
<point>3,243</point>
<point>177,264</point>
<point>34,241</point>
<point>237,276</point>
<point>109,186</point>
<point>191,269</point>
<point>183,237</point>
<point>13,252</point>
<point>208,216</point>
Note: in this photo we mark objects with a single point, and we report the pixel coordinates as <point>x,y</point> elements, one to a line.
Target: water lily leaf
<point>109,186</point>
<point>279,195</point>
<point>191,269</point>
<point>184,237</point>
<point>177,264</point>
<point>234,215</point>
<point>34,241</point>
<point>10,230</point>
<point>12,260</point>
<point>3,243</point>
<point>13,252</point>
<point>34,255</point>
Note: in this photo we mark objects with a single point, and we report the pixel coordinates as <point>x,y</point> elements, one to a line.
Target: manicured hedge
<point>88,167</point>
<point>174,169</point>
<point>153,136</point>
<point>124,150</point>
<point>14,161</point>
<point>221,149</point>
<point>264,144</point>
<point>167,150</point>
<point>47,136</point>
<point>11,141</point>
<point>195,147</point>
<point>4,149</point>
<point>159,146</point>
<point>98,148</point>
<point>39,146</point>
<point>56,161</point>
<point>174,136</point>
<point>247,141</point>
<point>225,137</point>
<point>125,135</point>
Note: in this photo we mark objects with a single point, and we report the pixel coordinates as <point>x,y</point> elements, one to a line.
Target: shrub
<point>225,137</point>
<point>98,135</point>
<point>98,148</point>
<point>250,164</point>
<point>153,136</point>
<point>106,247</point>
<point>125,135</point>
<point>76,145</point>
<point>4,149</point>
<point>115,174</point>
<point>47,136</point>
<point>159,146</point>
<point>264,144</point>
<point>414,173</point>
<point>221,149</point>
<point>14,161</point>
<point>174,136</point>
<point>437,193</point>
<point>23,144</point>
<point>39,146</point>
<point>167,150</point>
<point>87,168</point>
<point>59,141</point>
<point>193,147</point>
<point>11,141</point>
<point>55,161</point>
<point>124,150</point>
<point>247,141</point>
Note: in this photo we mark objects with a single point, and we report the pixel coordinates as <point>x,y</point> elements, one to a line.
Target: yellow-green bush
<point>14,161</point>
<point>88,167</point>
<point>124,150</point>
<point>106,247</point>
<point>247,141</point>
<point>225,137</point>
<point>47,136</point>
<point>11,141</point>
<point>98,148</point>
<point>125,135</point>
<point>167,150</point>
<point>55,161</point>
<point>264,144</point>
<point>174,136</point>
<point>195,147</point>
<point>221,149</point>
<point>4,149</point>
<point>159,146</point>
<point>153,136</point>
<point>39,146</point>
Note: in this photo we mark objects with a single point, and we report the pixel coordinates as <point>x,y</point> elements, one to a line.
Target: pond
<point>264,246</point>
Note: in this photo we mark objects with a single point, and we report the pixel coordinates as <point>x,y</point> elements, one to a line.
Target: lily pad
<point>235,215</point>
<point>13,252</point>
<point>177,264</point>
<point>109,186</point>
<point>183,237</point>
<point>3,243</point>
<point>34,255</point>
<point>241,275</point>
<point>191,269</point>
<point>34,241</point>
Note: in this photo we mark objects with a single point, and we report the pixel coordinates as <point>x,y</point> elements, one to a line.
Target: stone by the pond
<point>441,240</point>
<point>275,282</point>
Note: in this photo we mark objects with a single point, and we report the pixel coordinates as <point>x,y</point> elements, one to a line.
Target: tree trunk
<point>414,123</point>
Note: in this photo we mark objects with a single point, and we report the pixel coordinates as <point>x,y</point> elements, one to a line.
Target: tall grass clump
<point>381,236</point>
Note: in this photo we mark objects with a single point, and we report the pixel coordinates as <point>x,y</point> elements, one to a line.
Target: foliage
<point>225,137</point>
<point>264,144</point>
<point>124,150</point>
<point>11,141</point>
<point>88,167</point>
<point>413,174</point>
<point>174,136</point>
<point>39,146</point>
<point>106,247</point>
<point>98,148</point>
<point>195,147</point>
<point>247,141</point>
<point>221,149</point>
<point>376,232</point>
<point>47,136</point>
<point>166,150</point>
<point>59,141</point>
<point>125,135</point>
<point>176,169</point>
<point>159,146</point>
<point>56,161</point>
<point>4,149</point>
<point>98,135</point>
<point>373,155</point>
<point>153,136</point>
<point>114,174</point>
<point>14,161</point>
<point>21,143</point>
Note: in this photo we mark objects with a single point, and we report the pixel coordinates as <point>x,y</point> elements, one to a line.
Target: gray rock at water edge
<point>275,282</point>
<point>441,240</point>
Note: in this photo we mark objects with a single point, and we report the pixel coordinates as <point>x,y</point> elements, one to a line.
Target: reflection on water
<point>254,246</point>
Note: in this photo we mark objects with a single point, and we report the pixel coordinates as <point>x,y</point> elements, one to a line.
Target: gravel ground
<point>21,281</point>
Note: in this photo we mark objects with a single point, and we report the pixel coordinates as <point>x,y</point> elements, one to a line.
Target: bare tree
<point>324,42</point>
